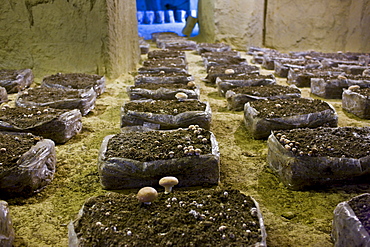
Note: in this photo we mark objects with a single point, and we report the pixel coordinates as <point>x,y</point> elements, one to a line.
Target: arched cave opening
<point>165,16</point>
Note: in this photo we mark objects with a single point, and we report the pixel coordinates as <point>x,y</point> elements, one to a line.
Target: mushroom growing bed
<point>224,61</point>
<point>166,91</point>
<point>301,77</point>
<point>208,217</point>
<point>166,53</point>
<point>76,81</point>
<point>238,97</point>
<point>7,234</point>
<point>357,101</point>
<point>229,71</point>
<point>167,62</point>
<point>162,77</point>
<point>60,98</point>
<point>60,125</point>
<point>212,47</point>
<point>15,80</point>
<point>224,84</point>
<point>166,114</point>
<point>263,116</point>
<point>351,224</point>
<point>181,43</point>
<point>140,157</point>
<point>331,87</point>
<point>27,163</point>
<point>304,158</point>
<point>283,66</point>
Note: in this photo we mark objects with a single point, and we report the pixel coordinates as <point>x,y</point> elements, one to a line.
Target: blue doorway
<point>165,16</point>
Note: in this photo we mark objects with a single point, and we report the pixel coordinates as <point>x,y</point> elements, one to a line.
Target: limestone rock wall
<point>238,22</point>
<point>330,25</point>
<point>52,36</point>
<point>206,21</point>
<point>123,43</point>
<point>287,25</point>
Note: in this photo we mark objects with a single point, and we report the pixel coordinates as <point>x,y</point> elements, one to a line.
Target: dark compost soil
<point>165,106</point>
<point>266,90</point>
<point>149,146</point>
<point>28,117</point>
<point>12,147</point>
<point>154,86</point>
<point>361,206</point>
<point>164,62</point>
<point>212,217</point>
<point>165,53</point>
<point>288,107</point>
<point>362,91</point>
<point>73,80</point>
<point>44,94</point>
<point>349,142</point>
<point>8,74</point>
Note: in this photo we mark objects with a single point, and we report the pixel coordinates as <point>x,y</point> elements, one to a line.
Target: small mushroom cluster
<point>288,144</point>
<point>189,150</point>
<point>295,147</point>
<point>147,195</point>
<point>188,147</point>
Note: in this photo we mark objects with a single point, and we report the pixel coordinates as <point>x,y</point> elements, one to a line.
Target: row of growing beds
<point>165,118</point>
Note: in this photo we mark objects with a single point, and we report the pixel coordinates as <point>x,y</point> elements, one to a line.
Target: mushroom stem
<point>167,189</point>
<point>168,183</point>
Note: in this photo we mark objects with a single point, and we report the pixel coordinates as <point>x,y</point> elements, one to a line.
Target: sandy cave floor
<point>292,218</point>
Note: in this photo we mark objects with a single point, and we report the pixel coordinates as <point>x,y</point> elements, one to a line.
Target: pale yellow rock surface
<point>287,25</point>
<point>238,23</point>
<point>85,36</point>
<point>320,25</point>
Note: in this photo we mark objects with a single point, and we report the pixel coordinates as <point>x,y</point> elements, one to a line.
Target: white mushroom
<point>168,183</point>
<point>191,84</point>
<point>353,87</point>
<point>146,195</point>
<point>366,72</point>
<point>181,96</point>
<point>229,71</point>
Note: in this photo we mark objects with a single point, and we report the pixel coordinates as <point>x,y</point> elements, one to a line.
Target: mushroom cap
<point>181,96</point>
<point>353,87</point>
<point>168,181</point>
<point>191,84</point>
<point>229,71</point>
<point>147,194</point>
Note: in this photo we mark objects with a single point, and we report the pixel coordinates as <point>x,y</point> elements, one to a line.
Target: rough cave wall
<point>85,36</point>
<point>206,21</point>
<point>330,25</point>
<point>238,22</point>
<point>358,37</point>
<point>289,25</point>
<point>123,39</point>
